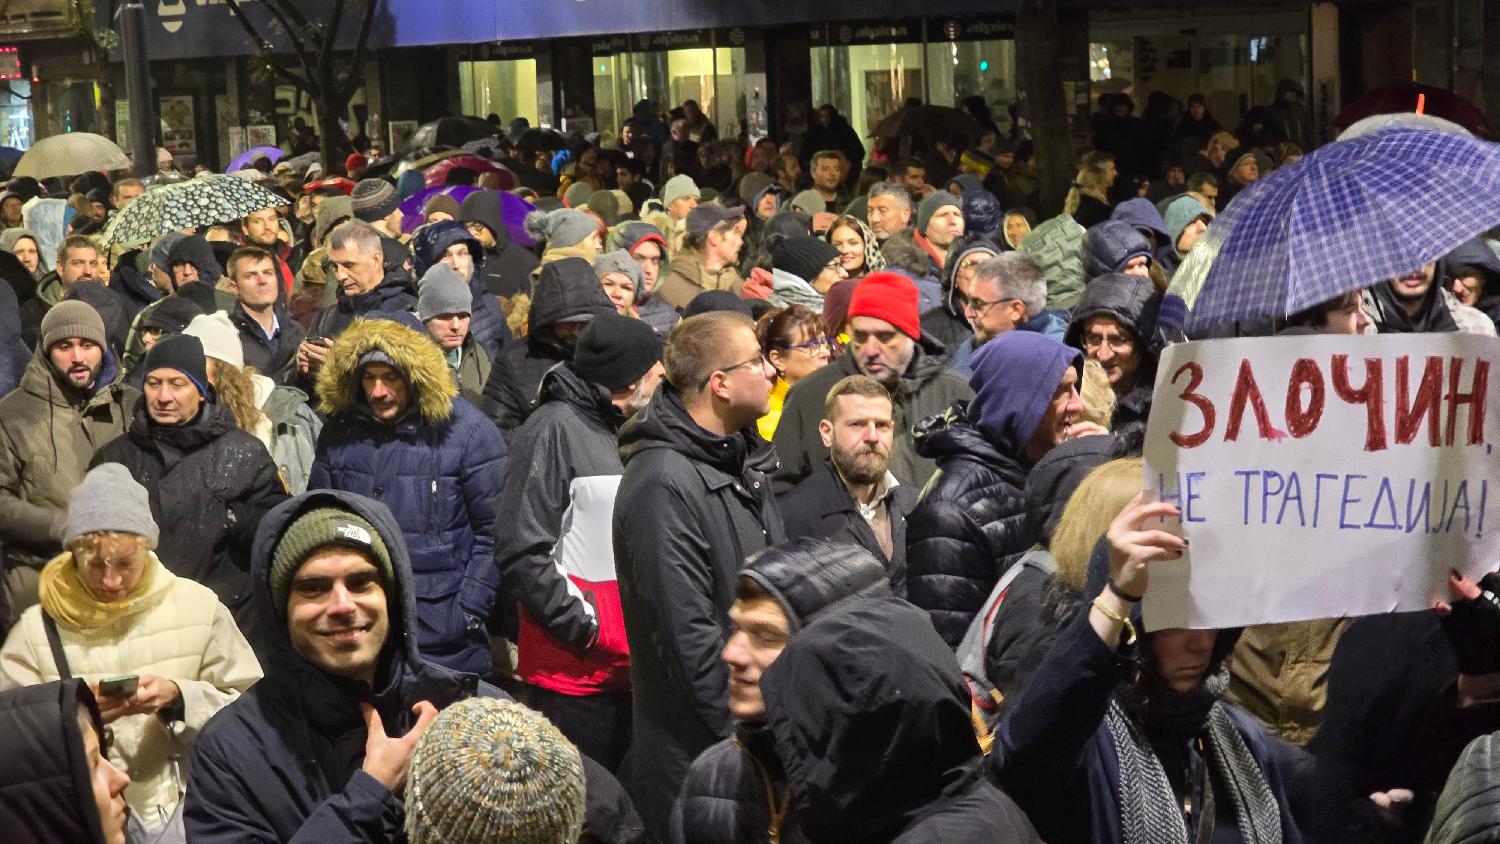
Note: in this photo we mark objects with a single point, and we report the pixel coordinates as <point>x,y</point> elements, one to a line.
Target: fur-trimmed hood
<point>417,357</point>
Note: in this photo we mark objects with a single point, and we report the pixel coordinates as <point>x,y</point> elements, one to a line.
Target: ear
<point>825,430</point>
<point>1018,312</point>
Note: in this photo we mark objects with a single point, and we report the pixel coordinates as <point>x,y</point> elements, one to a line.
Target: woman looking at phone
<point>160,652</point>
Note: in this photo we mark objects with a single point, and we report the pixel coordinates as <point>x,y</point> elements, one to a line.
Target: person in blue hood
<point>451,243</point>
<point>971,522</point>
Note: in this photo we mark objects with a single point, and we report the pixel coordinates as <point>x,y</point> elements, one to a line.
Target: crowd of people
<point>743,493</point>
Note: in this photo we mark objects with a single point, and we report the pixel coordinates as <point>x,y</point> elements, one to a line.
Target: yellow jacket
<point>767,424</point>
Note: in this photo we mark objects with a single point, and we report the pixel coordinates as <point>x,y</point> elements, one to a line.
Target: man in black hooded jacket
<point>567,296</point>
<point>507,264</point>
<point>317,750</point>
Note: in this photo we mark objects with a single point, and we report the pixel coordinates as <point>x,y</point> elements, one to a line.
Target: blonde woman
<point>1088,200</point>
<point>118,612</point>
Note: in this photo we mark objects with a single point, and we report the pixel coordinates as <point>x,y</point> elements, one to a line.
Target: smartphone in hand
<point>122,686</point>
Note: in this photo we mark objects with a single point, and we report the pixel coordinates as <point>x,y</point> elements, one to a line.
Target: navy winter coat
<point>438,468</point>
<point>282,762</point>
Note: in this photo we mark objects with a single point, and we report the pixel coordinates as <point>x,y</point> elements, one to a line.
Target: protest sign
<point>1322,476</point>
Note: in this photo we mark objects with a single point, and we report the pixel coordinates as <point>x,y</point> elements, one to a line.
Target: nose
<point>1202,641</point>
<point>1105,353</point>
<point>734,651</point>
<point>379,391</point>
<point>118,779</point>
<point>1075,402</point>
<point>870,434</point>
<point>112,579</point>
<point>340,601</point>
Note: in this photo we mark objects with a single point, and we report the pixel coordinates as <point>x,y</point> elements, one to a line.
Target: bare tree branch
<point>326,74</point>
<point>283,10</point>
<point>308,81</point>
<point>361,47</point>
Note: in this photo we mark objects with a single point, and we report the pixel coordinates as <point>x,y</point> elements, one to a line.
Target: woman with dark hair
<point>792,339</point>
<point>859,253</point>
<point>1124,736</point>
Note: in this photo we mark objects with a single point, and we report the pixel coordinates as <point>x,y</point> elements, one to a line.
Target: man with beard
<point>557,560</point>
<point>263,229</point>
<point>1413,304</point>
<point>70,402</point>
<point>887,343</point>
<point>854,497</point>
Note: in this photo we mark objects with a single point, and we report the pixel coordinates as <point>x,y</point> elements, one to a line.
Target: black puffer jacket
<point>209,484</point>
<point>46,794</point>
<point>1134,303</point>
<point>565,290</point>
<point>691,507</point>
<point>968,527</point>
<point>507,265</point>
<point>870,718</point>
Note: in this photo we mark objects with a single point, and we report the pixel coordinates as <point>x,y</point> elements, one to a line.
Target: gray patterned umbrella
<point>202,201</point>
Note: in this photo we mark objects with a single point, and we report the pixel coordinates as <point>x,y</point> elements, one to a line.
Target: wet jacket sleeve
<point>483,469</point>
<point>264,491</point>
<point>504,403</point>
<point>535,497</point>
<point>222,808</point>
<point>1040,743</point>
<point>677,573</point>
<point>21,521</point>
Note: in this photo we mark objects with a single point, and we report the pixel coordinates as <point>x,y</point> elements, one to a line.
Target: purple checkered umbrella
<point>1345,216</point>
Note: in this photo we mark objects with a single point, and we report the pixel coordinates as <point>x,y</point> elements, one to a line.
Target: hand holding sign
<point>1132,546</point>
<point>1321,476</point>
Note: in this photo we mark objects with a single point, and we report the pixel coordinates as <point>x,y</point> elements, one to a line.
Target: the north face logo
<point>351,532</point>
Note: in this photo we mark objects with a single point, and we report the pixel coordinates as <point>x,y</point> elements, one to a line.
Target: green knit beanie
<point>318,528</point>
<point>490,771</point>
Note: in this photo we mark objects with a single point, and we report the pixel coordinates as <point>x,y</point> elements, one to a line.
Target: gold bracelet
<point>1114,616</point>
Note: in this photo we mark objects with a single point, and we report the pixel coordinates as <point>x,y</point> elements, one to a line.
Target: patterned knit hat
<point>489,771</point>
<point>374,200</point>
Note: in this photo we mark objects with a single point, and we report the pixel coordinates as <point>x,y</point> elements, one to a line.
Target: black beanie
<point>615,351</point>
<point>182,352</point>
<point>803,257</point>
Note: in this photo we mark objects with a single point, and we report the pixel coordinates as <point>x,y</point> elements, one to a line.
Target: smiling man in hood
<point>318,750</point>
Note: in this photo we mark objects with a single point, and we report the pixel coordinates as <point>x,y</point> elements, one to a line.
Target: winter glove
<point>1473,629</point>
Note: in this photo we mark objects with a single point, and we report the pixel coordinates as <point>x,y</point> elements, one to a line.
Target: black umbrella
<point>937,123</point>
<point>451,132</point>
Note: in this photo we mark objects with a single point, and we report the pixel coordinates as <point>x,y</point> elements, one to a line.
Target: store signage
<point>10,63</point>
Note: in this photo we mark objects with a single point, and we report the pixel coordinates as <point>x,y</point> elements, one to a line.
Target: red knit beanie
<point>891,297</point>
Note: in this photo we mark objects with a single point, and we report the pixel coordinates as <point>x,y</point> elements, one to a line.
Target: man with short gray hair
<point>1009,292</point>
<point>372,273</point>
<point>888,209</point>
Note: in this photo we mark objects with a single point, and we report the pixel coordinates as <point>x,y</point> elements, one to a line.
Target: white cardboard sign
<point>1323,476</point>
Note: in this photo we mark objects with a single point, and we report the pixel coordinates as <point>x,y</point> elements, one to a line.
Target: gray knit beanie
<point>108,498</point>
<point>443,291</point>
<point>318,528</point>
<point>490,771</point>
<point>563,227</point>
<point>619,261</point>
<point>577,195</point>
<point>72,318</point>
<point>935,200</point>
<point>677,187</point>
<point>809,201</point>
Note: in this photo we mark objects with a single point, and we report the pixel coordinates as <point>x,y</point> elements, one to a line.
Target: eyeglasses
<point>758,359</point>
<point>1116,343</point>
<point>981,307</point>
<point>812,346</point>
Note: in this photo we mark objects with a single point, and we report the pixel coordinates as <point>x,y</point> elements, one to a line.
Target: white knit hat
<point>219,337</point>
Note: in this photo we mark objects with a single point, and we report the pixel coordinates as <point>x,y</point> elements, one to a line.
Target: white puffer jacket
<point>177,630</point>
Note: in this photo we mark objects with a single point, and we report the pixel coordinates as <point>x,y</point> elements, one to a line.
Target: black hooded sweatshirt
<point>870,719</point>
<point>565,289</point>
<point>46,787</point>
<point>507,265</point>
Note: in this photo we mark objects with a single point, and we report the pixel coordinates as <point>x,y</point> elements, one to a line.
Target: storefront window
<point>668,77</point>
<point>504,87</point>
<point>962,69</point>
<point>15,114</point>
<point>866,82</point>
